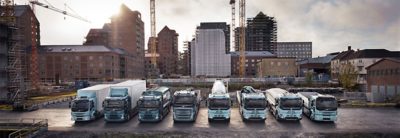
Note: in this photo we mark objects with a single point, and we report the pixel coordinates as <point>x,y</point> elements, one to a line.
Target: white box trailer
<point>127,92</point>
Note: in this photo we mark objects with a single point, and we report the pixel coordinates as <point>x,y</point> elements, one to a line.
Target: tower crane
<point>34,74</point>
<point>153,34</point>
<point>232,3</point>
<point>50,7</point>
<point>242,37</point>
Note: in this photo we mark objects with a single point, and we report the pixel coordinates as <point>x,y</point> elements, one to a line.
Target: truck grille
<point>183,113</point>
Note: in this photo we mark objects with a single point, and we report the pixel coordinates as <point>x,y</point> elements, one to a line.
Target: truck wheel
<point>229,119</point>
<point>128,118</point>
<point>210,120</point>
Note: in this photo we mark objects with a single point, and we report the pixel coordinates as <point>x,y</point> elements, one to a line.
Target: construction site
<point>77,90</point>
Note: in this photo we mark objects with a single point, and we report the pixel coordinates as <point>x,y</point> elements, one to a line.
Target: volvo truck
<point>319,107</point>
<point>154,104</point>
<point>121,102</point>
<point>284,105</point>
<point>186,105</point>
<point>219,102</point>
<point>88,103</point>
<point>252,104</point>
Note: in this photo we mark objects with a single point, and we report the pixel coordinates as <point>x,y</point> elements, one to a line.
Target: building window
<point>279,63</point>
<point>90,57</point>
<point>272,63</point>
<point>76,57</point>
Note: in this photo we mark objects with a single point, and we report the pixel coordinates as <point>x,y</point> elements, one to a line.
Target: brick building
<point>277,67</point>
<point>167,48</point>
<point>252,59</point>
<point>383,79</point>
<point>77,62</point>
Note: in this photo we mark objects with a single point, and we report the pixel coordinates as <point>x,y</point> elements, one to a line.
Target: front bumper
<point>219,114</point>
<point>110,117</point>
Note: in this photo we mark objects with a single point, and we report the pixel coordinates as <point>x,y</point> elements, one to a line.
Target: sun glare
<point>98,12</point>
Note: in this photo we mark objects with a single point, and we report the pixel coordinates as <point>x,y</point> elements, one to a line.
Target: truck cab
<point>83,109</point>
<point>284,105</point>
<point>319,107</point>
<point>219,102</point>
<point>88,103</point>
<point>252,104</point>
<point>154,104</point>
<point>186,105</point>
<point>117,105</point>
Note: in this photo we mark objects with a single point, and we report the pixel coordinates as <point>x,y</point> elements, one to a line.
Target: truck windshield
<point>255,103</point>
<point>291,103</point>
<point>80,106</point>
<point>219,103</point>
<point>149,104</point>
<point>152,93</point>
<point>118,92</point>
<point>184,100</point>
<point>326,103</point>
<point>113,103</point>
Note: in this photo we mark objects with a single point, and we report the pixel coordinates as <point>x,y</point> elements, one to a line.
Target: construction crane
<point>34,74</point>
<point>153,34</point>
<point>50,7</point>
<point>242,38</point>
<point>232,3</point>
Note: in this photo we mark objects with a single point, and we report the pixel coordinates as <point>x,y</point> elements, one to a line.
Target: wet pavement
<point>349,120</point>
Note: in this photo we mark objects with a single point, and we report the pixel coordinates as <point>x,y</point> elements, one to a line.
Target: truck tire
<point>210,120</point>
<point>228,120</point>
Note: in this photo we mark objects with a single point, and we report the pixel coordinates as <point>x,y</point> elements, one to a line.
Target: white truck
<point>252,104</point>
<point>284,105</point>
<point>88,103</point>
<point>319,107</point>
<point>121,102</point>
<point>219,102</point>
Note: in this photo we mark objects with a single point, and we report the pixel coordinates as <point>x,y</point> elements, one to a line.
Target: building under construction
<point>16,37</point>
<point>261,34</point>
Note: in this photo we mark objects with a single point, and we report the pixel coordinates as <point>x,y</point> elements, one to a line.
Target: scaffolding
<point>15,83</point>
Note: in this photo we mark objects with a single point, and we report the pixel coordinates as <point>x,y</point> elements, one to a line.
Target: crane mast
<point>242,37</point>
<point>153,33</point>
<point>232,2</point>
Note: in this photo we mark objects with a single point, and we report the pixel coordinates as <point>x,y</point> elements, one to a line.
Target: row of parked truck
<point>119,102</point>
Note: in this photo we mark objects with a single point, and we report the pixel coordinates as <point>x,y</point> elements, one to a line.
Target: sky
<point>331,25</point>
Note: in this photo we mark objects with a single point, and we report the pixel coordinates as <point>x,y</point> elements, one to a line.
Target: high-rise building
<point>298,50</point>
<point>261,34</point>
<point>219,25</point>
<point>209,55</point>
<point>167,48</point>
<point>98,36</point>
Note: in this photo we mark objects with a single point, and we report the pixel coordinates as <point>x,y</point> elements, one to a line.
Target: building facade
<point>383,79</point>
<point>209,55</point>
<point>116,35</point>
<point>167,48</point>
<point>219,25</point>
<point>277,67</point>
<point>319,67</point>
<point>17,38</point>
<point>261,34</point>
<point>298,50</point>
<point>66,63</point>
<point>252,59</point>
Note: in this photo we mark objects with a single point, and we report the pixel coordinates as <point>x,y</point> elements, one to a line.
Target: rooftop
<point>255,54</point>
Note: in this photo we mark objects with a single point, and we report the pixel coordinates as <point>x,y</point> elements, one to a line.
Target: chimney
<point>348,48</point>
